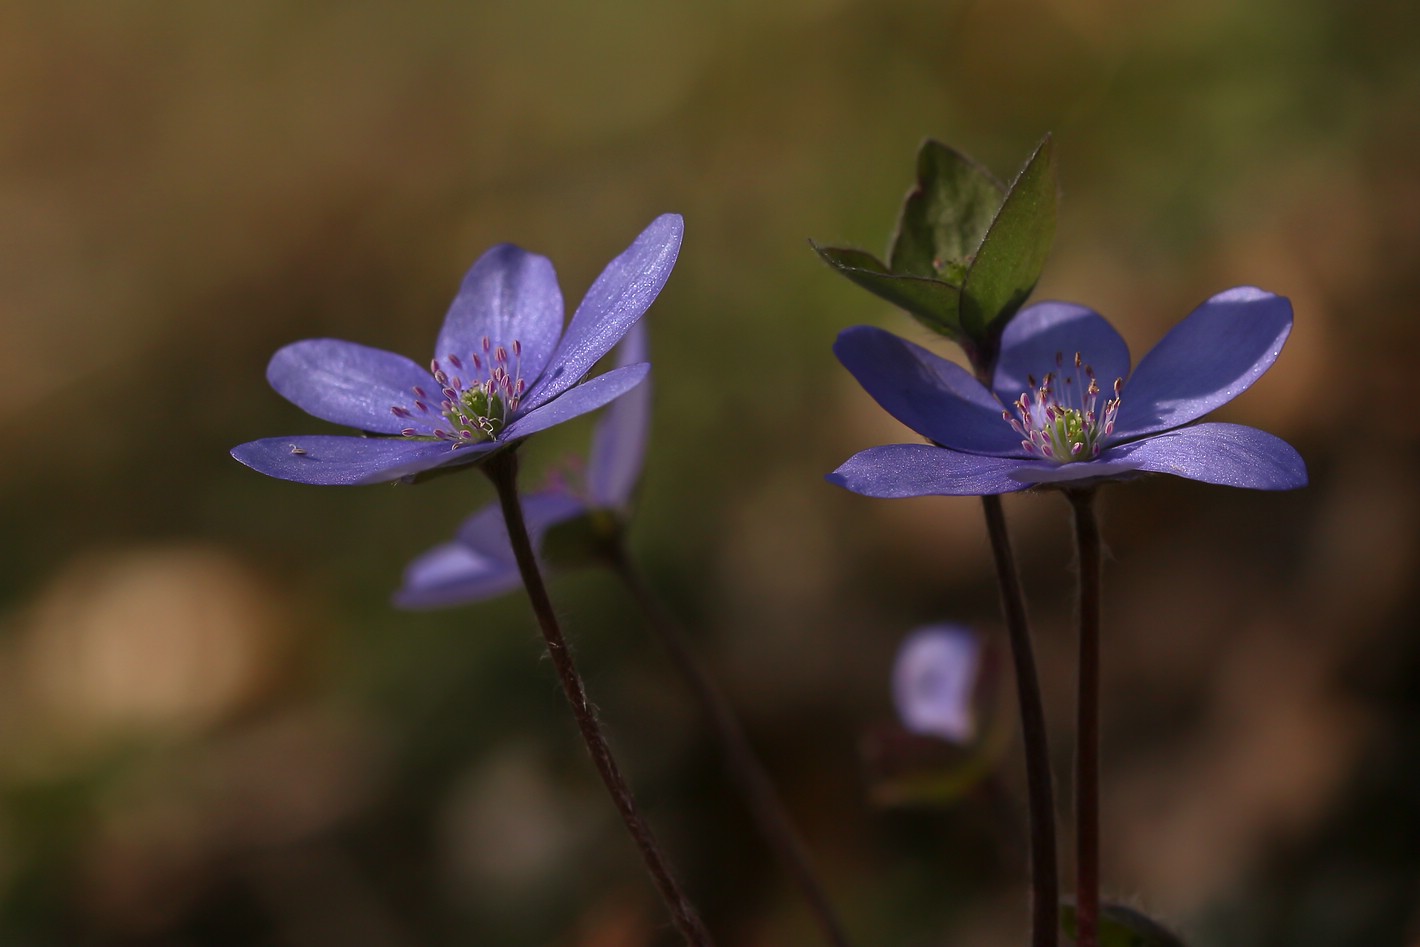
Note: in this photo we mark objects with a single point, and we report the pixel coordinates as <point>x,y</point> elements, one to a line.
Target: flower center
<point>470,409</point>
<point>1061,420</point>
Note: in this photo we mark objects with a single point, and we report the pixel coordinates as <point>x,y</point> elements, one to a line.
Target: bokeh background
<point>215,730</point>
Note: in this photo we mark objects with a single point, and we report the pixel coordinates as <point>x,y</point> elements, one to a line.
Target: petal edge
<point>508,293</point>
<point>1207,360</point>
<point>336,460</point>
<point>1230,455</point>
<point>897,471</point>
<point>934,397</point>
<point>585,397</point>
<point>617,298</point>
<point>345,382</point>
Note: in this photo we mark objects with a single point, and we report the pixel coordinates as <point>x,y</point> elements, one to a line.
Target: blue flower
<point>478,564</point>
<point>1064,409</point>
<point>934,682</point>
<point>503,369</point>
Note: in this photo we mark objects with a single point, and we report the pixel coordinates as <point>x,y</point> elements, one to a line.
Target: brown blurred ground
<point>214,730</point>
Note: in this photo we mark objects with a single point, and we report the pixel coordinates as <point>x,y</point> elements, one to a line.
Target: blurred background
<point>214,729</point>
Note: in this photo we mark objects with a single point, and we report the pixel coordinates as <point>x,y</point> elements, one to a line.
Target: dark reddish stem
<point>1045,882</point>
<point>1087,764</point>
<point>502,469</point>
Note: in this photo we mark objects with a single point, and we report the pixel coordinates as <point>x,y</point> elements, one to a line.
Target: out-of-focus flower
<point>1047,420</point>
<point>503,370</point>
<point>934,682</point>
<point>479,564</point>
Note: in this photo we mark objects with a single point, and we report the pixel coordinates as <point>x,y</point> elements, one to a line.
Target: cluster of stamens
<point>473,409</point>
<point>1060,421</point>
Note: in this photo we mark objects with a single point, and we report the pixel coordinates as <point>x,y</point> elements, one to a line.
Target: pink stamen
<point>1060,417</point>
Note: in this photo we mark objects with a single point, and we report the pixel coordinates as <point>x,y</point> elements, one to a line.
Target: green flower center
<point>479,413</point>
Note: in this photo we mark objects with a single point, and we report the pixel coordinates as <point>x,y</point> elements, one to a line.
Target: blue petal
<point>936,398</point>
<point>508,294</point>
<point>1037,334</point>
<point>934,681</point>
<point>1207,360</point>
<point>333,460</point>
<point>1227,454</point>
<point>346,383</point>
<point>585,397</point>
<point>486,533</point>
<point>454,574</point>
<point>619,441</point>
<point>916,470</point>
<point>480,564</point>
<point>619,297</point>
<point>545,509</point>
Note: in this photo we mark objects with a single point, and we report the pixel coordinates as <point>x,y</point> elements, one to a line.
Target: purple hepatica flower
<point>478,564</point>
<point>503,370</point>
<point>934,679</point>
<point>1064,409</point>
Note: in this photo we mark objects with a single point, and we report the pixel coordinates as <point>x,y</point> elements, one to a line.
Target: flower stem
<point>502,469</point>
<point>745,769</point>
<point>1087,818</point>
<point>1045,883</point>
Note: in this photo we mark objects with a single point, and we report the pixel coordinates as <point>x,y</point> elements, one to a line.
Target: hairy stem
<point>502,469</point>
<point>1087,817</point>
<point>745,769</point>
<point>1045,883</point>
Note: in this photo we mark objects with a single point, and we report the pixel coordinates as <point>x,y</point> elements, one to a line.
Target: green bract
<point>967,251</point>
<point>945,216</point>
<point>1012,255</point>
<point>933,302</point>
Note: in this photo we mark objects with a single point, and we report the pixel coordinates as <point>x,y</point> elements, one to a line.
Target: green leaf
<point>1012,256</point>
<point>945,216</point>
<point>932,302</point>
<point>1122,926</point>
